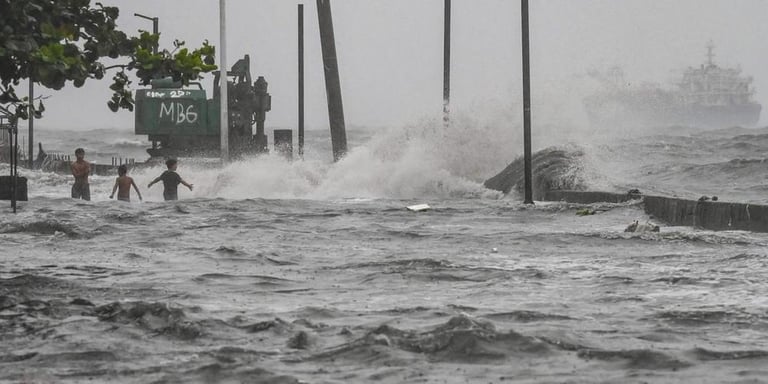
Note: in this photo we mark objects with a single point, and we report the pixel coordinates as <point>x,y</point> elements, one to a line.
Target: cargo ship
<point>709,96</point>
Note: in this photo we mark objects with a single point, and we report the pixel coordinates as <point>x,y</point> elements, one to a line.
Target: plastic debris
<point>418,207</point>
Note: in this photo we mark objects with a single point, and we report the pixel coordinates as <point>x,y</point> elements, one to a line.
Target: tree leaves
<point>57,42</point>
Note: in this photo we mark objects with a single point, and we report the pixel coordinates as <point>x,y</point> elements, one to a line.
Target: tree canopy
<point>56,42</point>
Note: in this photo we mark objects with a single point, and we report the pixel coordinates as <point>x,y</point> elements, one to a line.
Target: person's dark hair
<point>79,150</point>
<point>170,162</point>
<point>122,170</point>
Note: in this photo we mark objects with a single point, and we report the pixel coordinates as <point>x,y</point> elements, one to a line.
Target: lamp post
<point>155,27</point>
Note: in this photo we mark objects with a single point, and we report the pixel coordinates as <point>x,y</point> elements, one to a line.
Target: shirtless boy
<point>123,185</point>
<point>80,170</point>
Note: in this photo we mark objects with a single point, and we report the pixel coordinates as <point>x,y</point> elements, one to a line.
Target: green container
<point>173,111</point>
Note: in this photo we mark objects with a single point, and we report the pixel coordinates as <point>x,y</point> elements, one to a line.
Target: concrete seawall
<point>712,215</point>
<point>589,197</point>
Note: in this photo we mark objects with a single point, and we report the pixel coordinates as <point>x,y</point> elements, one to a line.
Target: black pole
<point>31,122</point>
<point>446,60</point>
<point>15,165</point>
<point>301,81</point>
<point>527,105</point>
<point>156,31</point>
<point>10,159</point>
<point>332,80</point>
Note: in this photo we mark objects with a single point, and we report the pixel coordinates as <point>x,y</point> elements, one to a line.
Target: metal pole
<point>224,81</point>
<point>31,122</point>
<point>301,81</point>
<point>526,104</point>
<point>446,61</point>
<point>332,81</point>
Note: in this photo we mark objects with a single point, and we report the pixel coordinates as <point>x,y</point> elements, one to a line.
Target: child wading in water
<point>80,170</point>
<point>123,185</point>
<point>171,181</point>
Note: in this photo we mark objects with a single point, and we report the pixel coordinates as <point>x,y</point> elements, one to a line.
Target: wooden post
<point>332,80</point>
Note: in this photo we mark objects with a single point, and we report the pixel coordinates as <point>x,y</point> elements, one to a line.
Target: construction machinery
<point>182,121</point>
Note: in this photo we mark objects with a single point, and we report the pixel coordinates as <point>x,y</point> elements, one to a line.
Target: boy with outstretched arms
<point>171,181</point>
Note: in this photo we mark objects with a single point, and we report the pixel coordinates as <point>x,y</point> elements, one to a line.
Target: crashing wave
<point>552,168</point>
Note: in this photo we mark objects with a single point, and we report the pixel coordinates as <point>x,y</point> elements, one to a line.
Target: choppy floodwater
<point>209,290</point>
<point>222,287</point>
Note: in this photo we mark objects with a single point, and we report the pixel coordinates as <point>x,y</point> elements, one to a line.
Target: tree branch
<point>122,66</point>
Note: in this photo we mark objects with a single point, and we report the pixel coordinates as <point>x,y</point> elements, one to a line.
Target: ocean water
<point>276,271</point>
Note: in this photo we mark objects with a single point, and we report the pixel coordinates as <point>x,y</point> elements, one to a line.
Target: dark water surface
<point>279,272</point>
<point>354,290</point>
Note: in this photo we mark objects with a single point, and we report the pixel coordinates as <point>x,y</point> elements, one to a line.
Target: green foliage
<point>56,42</point>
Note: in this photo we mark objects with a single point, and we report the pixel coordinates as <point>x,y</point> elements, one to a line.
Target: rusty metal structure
<point>182,121</point>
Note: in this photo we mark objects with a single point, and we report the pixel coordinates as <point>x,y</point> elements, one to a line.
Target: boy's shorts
<point>81,191</point>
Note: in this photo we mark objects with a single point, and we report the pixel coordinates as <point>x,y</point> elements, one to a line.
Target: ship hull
<point>619,112</point>
<point>720,116</point>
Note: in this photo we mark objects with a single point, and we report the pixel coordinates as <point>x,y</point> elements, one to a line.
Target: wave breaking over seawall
<point>552,168</point>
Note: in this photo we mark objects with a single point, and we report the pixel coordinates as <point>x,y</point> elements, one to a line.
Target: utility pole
<point>526,104</point>
<point>446,61</point>
<point>301,81</point>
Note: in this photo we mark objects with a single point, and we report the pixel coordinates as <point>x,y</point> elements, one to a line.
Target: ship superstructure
<point>709,96</point>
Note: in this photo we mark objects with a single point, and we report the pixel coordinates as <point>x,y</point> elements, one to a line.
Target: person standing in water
<point>123,185</point>
<point>171,181</point>
<point>81,169</point>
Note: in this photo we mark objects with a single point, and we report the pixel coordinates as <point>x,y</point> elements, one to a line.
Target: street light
<point>155,22</point>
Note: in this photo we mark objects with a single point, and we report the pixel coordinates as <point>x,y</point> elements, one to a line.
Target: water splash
<point>417,161</point>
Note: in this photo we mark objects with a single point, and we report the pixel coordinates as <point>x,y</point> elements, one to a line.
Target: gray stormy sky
<point>390,53</point>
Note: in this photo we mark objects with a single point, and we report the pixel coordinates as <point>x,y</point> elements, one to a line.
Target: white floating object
<point>494,250</point>
<point>418,207</point>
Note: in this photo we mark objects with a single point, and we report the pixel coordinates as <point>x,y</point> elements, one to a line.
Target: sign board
<point>177,112</point>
